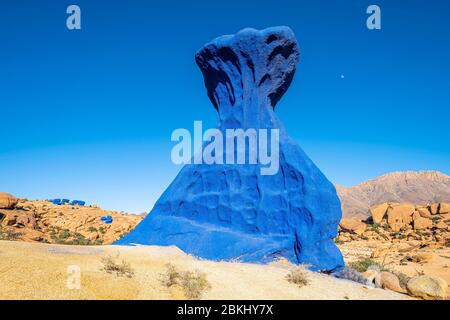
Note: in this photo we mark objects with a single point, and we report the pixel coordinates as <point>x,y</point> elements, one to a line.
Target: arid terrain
<point>43,221</point>
<point>403,239</point>
<point>40,271</point>
<point>393,250</point>
<point>415,187</point>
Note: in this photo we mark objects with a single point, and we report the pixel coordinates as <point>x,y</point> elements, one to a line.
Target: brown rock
<point>370,275</point>
<point>404,247</point>
<point>389,281</point>
<point>422,223</point>
<point>434,208</point>
<point>422,257</point>
<point>7,201</point>
<point>353,225</point>
<point>416,215</point>
<point>444,208</point>
<point>424,212</point>
<point>400,215</point>
<point>427,287</point>
<point>19,219</point>
<point>441,225</point>
<point>378,212</point>
<point>343,238</point>
<point>31,235</point>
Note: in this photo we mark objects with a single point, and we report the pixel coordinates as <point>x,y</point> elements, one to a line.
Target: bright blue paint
<point>89,114</point>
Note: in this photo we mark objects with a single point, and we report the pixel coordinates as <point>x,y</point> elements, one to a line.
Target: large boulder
<point>422,223</point>
<point>231,211</point>
<point>389,281</point>
<point>427,287</point>
<point>422,257</point>
<point>400,215</point>
<point>353,225</point>
<point>19,219</point>
<point>444,208</point>
<point>441,225</point>
<point>7,201</point>
<point>423,211</point>
<point>434,208</point>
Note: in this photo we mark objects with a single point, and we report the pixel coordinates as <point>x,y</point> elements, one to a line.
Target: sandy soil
<point>39,271</point>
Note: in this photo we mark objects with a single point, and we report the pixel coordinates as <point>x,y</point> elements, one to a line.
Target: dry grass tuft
<point>298,276</point>
<point>193,283</point>
<point>110,265</point>
<point>363,264</point>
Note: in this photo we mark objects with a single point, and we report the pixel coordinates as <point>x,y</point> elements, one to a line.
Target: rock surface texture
<point>43,221</point>
<point>7,201</point>
<point>427,287</point>
<point>231,211</point>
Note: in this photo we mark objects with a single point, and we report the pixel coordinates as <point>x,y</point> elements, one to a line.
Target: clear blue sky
<point>88,114</point>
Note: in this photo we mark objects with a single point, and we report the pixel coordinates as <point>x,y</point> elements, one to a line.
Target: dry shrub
<point>193,283</point>
<point>172,276</point>
<point>298,276</point>
<point>363,264</point>
<point>110,265</point>
<point>352,275</point>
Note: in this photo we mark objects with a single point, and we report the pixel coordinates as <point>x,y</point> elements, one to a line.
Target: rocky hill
<point>44,221</point>
<point>419,188</point>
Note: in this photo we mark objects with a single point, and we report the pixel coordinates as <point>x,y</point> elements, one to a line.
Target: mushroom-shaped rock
<point>233,211</point>
<point>7,201</point>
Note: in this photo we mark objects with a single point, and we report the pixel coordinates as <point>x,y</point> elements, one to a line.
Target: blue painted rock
<point>107,219</point>
<point>78,203</point>
<point>55,201</point>
<point>232,211</point>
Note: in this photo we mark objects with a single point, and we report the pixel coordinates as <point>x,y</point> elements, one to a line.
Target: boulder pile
<point>62,223</point>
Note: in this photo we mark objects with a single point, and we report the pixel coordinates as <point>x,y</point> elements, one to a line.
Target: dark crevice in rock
<point>284,50</point>
<point>271,38</point>
<point>265,78</point>
<point>276,96</point>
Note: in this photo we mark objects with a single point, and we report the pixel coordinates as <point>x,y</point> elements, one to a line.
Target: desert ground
<point>40,271</point>
<point>421,259</point>
<point>394,251</point>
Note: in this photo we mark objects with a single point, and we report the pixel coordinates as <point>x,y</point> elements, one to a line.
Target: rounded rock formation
<point>7,201</point>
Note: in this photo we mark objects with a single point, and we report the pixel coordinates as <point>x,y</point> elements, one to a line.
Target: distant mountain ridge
<point>415,187</point>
